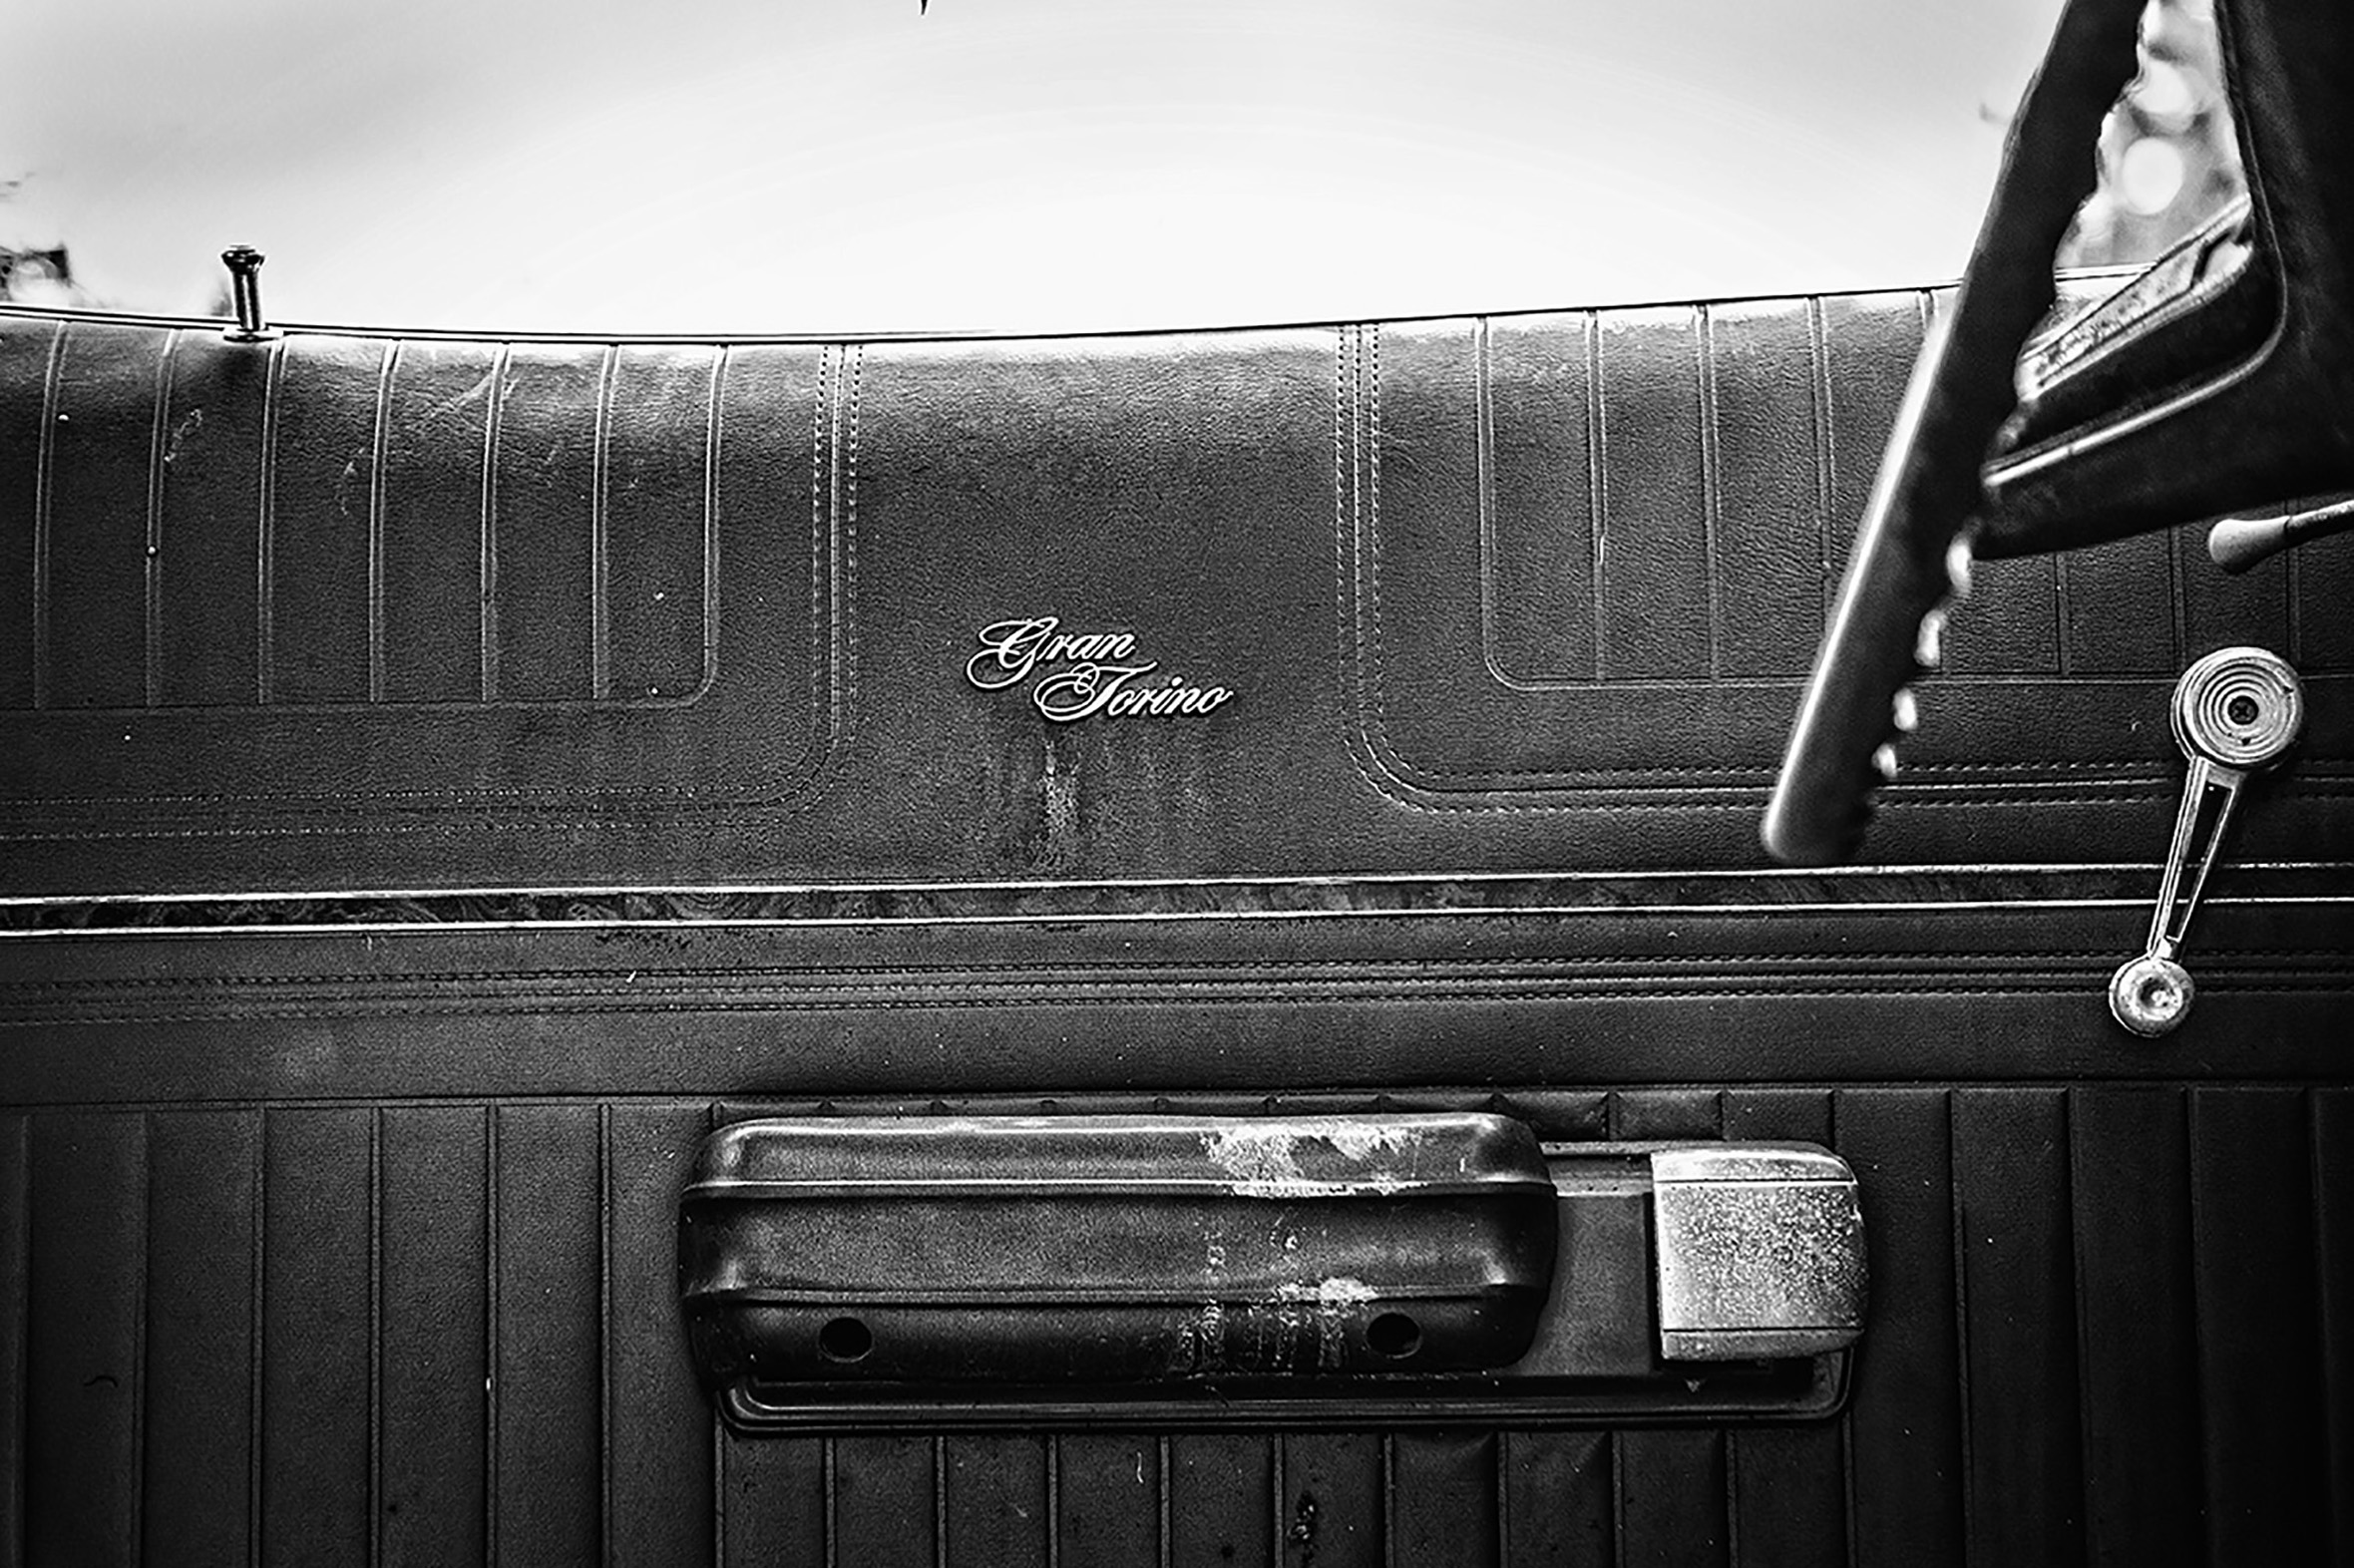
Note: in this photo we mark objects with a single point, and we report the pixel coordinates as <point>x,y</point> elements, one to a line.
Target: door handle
<point>847,1272</point>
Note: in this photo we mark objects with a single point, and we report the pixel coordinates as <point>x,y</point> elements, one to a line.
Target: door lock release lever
<point>2235,712</point>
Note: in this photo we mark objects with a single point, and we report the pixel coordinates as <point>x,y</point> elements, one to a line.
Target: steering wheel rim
<point>1913,548</point>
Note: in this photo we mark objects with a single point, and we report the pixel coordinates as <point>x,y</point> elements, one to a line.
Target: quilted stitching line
<point>786,1004</point>
<point>2058,960</point>
<point>2003,781</point>
<point>44,486</point>
<point>360,804</point>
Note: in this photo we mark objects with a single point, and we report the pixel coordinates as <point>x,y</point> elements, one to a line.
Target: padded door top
<point>1529,593</point>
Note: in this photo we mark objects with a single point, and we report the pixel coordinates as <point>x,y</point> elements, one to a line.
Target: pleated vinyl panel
<point>2109,1325</point>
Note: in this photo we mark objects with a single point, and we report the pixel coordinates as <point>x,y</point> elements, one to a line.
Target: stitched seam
<point>363,803</point>
<point>1826,451</point>
<point>858,369</point>
<point>1344,555</point>
<point>266,610</point>
<point>486,561</point>
<point>784,1004</point>
<point>1366,539</point>
<point>43,494</point>
<point>821,631</point>
<point>379,457</point>
<point>1409,776</point>
<point>834,676</point>
<point>152,675</point>
<point>1396,793</point>
<point>1145,974</point>
<point>715,433</point>
<point>1712,486</point>
<point>601,624</point>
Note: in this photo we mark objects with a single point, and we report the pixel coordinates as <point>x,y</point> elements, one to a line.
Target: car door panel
<point>450,777</point>
<point>1514,592</point>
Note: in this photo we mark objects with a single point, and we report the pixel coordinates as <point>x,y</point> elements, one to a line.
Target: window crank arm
<point>2235,712</point>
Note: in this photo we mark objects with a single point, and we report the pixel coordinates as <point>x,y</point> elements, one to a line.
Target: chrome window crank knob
<point>2237,712</point>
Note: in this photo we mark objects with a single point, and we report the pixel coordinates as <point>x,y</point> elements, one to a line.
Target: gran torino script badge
<point>1078,675</point>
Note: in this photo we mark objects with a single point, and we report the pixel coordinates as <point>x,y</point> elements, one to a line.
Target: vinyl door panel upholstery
<point>1527,592</point>
<point>448,777</point>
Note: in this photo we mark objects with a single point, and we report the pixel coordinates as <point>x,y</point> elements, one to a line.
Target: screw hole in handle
<point>1393,1335</point>
<point>845,1339</point>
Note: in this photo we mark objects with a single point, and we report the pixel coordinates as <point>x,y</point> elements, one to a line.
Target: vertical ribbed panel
<point>1671,1505</point>
<point>1861,382</point>
<point>1222,1501</point>
<point>886,1502</point>
<point>433,1400</point>
<point>1674,1506</point>
<point>83,1388</point>
<point>1654,609</point>
<point>2143,1487</point>
<point>325,543</point>
<point>1442,1490</point>
<point>438,509</point>
<point>318,1336</point>
<point>91,566</point>
<point>544,590</point>
<point>548,1426</point>
<point>202,1170</point>
<point>2011,621</point>
<point>658,1424</point>
<point>1905,1423</point>
<point>1107,1499</point>
<point>2324,581</point>
<point>994,1499</point>
<point>1790,1494</point>
<point>2220,608</point>
<point>1560,1499</point>
<point>1767,438</point>
<point>775,1502</point>
<point>26,360</point>
<point>2257,1293</point>
<point>2333,1196</point>
<point>205,588</point>
<point>2018,1300</point>
<point>16,1278</point>
<point>1540,415</point>
<point>661,443</point>
<point>1329,1506</point>
<point>2108,1325</point>
<point>2120,607</point>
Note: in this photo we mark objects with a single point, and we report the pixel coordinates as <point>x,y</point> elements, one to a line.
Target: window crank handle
<point>2235,712</point>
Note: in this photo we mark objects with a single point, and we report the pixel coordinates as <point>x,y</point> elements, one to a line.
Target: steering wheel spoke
<point>1929,490</point>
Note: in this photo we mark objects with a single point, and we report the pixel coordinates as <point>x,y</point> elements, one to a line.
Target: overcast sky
<point>758,165</point>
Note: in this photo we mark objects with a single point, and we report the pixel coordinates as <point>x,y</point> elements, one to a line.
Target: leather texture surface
<point>1529,592</point>
<point>359,1242</point>
<point>444,1331</point>
<point>342,1230</point>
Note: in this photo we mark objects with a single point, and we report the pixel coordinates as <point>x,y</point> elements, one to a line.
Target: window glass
<point>2168,159</point>
<point>846,165</point>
